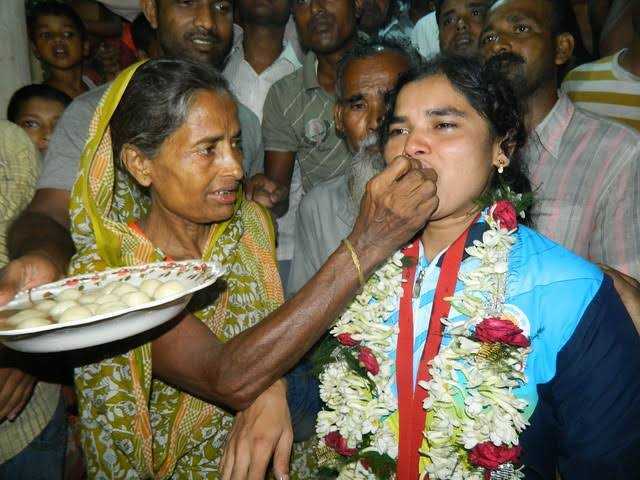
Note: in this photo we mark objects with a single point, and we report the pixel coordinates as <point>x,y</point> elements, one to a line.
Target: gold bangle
<point>356,261</point>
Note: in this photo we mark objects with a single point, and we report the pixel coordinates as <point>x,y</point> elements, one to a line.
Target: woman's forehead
<point>212,111</point>
<point>433,93</point>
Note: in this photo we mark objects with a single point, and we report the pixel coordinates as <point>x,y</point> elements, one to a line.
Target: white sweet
<point>110,307</point>
<point>123,289</point>
<point>75,313</point>
<point>110,287</point>
<point>23,315</point>
<point>34,322</point>
<point>133,299</point>
<point>149,286</point>
<point>172,287</point>
<point>88,298</point>
<point>93,308</point>
<point>109,298</point>
<point>71,294</point>
<point>62,307</point>
<point>45,305</point>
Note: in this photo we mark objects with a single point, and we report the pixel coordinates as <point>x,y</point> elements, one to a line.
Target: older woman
<point>482,350</point>
<point>175,134</point>
<point>160,178</point>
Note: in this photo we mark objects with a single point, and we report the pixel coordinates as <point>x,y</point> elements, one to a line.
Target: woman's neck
<point>176,236</point>
<point>439,234</point>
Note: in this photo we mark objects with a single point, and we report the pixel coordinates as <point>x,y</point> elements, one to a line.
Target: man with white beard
<point>365,75</point>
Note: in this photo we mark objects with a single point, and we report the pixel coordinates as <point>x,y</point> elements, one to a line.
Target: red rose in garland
<point>368,360</point>
<point>490,456</point>
<point>504,213</point>
<point>339,444</point>
<point>498,330</point>
<point>347,340</point>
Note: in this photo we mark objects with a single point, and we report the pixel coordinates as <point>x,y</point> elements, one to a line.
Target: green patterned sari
<point>133,425</point>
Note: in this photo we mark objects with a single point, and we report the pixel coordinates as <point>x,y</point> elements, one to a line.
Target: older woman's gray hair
<point>156,102</point>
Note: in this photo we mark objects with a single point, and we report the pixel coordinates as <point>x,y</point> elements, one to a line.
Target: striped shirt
<point>585,172</point>
<point>19,170</point>
<point>298,117</point>
<point>605,88</point>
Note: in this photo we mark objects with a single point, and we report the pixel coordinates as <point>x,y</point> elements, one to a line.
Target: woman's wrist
<point>368,254</point>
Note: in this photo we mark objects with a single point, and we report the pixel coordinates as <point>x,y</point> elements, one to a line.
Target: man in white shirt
<point>260,57</point>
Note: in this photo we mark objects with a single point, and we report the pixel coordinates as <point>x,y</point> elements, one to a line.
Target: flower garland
<point>473,417</point>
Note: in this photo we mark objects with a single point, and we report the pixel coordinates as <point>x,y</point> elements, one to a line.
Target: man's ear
<point>564,48</point>
<point>150,10</point>
<point>137,164</point>
<point>338,113</point>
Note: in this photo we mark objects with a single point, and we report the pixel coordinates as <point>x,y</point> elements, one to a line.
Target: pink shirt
<point>585,171</point>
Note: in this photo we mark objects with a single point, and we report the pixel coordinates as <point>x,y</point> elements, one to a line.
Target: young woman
<point>482,350</point>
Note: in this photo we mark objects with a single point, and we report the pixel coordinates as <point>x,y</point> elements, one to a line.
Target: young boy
<point>36,109</point>
<point>58,39</point>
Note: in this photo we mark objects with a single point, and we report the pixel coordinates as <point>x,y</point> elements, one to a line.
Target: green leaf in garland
<point>382,466</point>
<point>325,353</point>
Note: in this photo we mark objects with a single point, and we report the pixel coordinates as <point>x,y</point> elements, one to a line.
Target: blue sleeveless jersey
<point>583,372</point>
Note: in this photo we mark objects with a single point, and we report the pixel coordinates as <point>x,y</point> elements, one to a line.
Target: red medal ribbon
<point>412,414</point>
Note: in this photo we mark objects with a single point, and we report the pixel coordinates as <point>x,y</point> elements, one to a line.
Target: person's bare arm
<point>397,204</point>
<point>39,242</point>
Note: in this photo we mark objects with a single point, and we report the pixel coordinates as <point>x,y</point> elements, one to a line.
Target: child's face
<point>38,117</point>
<point>57,42</point>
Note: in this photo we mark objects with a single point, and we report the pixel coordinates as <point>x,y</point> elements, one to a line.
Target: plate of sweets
<point>101,307</point>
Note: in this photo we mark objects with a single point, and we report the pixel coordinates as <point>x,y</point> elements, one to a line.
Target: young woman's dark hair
<point>491,95</point>
<point>156,102</point>
<point>36,90</point>
<point>55,9</point>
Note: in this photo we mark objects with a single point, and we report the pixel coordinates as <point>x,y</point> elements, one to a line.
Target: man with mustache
<point>366,74</point>
<point>586,168</point>
<point>297,124</point>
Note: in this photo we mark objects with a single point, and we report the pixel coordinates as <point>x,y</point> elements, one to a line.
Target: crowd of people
<point>429,215</point>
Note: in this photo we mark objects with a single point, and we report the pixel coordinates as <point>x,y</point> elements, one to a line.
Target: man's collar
<point>551,130</point>
<point>310,71</point>
<point>289,54</point>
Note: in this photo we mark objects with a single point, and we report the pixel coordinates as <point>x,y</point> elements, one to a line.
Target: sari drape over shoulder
<point>133,425</point>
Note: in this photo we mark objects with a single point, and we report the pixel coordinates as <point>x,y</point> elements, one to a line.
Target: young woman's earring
<point>500,169</point>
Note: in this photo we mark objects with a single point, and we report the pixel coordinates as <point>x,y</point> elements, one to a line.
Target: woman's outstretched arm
<point>397,204</point>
